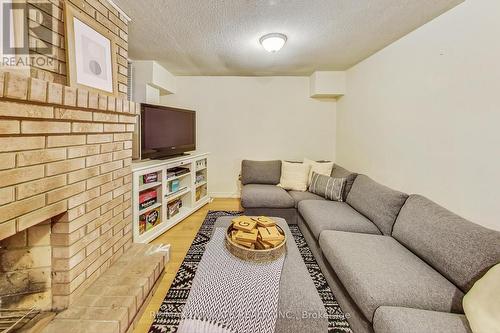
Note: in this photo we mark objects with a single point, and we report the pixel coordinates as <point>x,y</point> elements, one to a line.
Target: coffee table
<point>300,308</point>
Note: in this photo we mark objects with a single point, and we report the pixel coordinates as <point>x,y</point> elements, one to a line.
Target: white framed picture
<point>92,57</point>
<point>91,53</point>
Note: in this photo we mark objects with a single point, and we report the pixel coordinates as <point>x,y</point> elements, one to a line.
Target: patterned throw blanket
<point>231,295</point>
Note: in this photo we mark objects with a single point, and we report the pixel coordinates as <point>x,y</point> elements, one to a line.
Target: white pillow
<point>294,176</point>
<point>322,168</point>
<point>482,303</point>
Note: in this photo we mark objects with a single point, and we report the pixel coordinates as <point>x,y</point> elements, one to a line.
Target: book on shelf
<point>149,178</point>
<point>147,198</point>
<point>149,220</point>
<point>174,185</point>
<point>173,208</point>
<point>177,171</point>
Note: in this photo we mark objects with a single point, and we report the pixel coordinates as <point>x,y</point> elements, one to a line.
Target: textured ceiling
<point>220,37</point>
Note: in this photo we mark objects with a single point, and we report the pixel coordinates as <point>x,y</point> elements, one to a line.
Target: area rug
<point>168,316</point>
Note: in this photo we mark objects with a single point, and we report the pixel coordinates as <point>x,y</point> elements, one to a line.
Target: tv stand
<point>163,194</point>
<point>172,156</point>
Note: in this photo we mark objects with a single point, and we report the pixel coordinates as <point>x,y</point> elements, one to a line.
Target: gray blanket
<point>231,295</point>
<point>300,308</point>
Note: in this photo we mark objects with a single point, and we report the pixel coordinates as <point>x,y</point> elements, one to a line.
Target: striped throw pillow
<point>328,187</point>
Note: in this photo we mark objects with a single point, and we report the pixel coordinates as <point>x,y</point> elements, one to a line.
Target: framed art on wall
<point>90,53</point>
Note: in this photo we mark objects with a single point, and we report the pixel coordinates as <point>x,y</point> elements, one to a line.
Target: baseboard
<point>224,195</point>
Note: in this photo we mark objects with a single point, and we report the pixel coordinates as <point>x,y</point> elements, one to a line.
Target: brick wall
<point>100,11</point>
<point>65,155</point>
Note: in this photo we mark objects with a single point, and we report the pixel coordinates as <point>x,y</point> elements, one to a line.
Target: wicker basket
<point>255,255</point>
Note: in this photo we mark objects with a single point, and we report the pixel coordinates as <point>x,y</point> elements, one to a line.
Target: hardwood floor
<point>180,237</point>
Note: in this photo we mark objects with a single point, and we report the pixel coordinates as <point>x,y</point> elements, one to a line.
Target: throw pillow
<point>328,187</point>
<point>322,168</point>
<point>294,176</point>
<point>482,304</point>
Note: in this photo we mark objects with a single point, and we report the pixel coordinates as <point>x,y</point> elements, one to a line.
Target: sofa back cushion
<point>340,172</point>
<point>459,249</point>
<point>260,172</point>
<point>377,202</point>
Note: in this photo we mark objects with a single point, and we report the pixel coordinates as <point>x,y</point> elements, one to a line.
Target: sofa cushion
<point>390,319</point>
<point>461,250</point>
<point>299,196</point>
<point>320,167</point>
<point>265,196</point>
<point>340,172</point>
<point>260,172</point>
<point>376,270</point>
<point>482,302</point>
<point>377,202</point>
<point>328,187</point>
<point>333,215</point>
<point>294,176</point>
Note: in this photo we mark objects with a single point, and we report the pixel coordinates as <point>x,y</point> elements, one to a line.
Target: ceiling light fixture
<point>273,42</point>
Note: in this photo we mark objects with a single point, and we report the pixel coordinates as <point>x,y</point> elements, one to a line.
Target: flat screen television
<point>166,131</point>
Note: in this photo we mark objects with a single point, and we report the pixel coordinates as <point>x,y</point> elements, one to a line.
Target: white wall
<point>255,118</point>
<point>150,81</point>
<point>423,115</point>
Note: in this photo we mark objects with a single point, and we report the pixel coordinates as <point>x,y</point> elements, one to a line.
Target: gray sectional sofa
<point>395,262</point>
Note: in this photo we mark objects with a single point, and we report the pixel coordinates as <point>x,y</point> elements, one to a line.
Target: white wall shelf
<point>169,179</point>
<point>148,186</point>
<point>193,194</point>
<point>200,184</point>
<point>174,195</point>
<point>150,208</point>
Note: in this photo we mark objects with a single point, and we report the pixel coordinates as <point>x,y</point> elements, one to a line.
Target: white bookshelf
<point>192,192</point>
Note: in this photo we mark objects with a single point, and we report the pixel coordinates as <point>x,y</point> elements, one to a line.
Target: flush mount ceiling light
<point>273,42</point>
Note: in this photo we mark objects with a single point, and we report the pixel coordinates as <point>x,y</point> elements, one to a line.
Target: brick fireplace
<point>65,189</point>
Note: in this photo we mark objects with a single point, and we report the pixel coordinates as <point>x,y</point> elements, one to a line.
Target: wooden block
<point>244,236</point>
<point>245,244</point>
<point>261,245</point>
<point>270,234</point>
<point>244,223</point>
<point>273,243</point>
<point>264,221</point>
